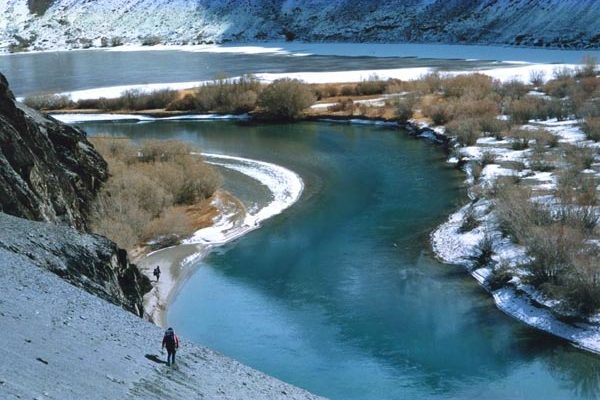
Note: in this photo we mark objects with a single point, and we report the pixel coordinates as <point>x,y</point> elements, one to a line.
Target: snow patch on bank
<point>285,186</point>
<point>73,118</point>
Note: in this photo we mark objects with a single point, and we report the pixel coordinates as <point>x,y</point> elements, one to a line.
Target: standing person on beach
<point>171,342</point>
<point>156,273</point>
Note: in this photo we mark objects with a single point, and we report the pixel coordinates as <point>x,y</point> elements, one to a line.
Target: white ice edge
<point>498,53</point>
<point>71,118</point>
<point>507,73</point>
<point>285,186</point>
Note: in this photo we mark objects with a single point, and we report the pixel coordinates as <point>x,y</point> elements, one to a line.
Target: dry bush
<point>171,225</point>
<point>145,184</point>
<point>467,131</point>
<point>228,96</point>
<point>475,86</point>
<point>346,105</point>
<point>591,127</point>
<point>404,108</point>
<point>583,282</point>
<point>580,157</point>
<point>373,85</point>
<point>286,98</point>
<point>185,103</point>
<point>348,90</point>
<point>133,99</point>
<point>326,90</point>
<point>537,77</point>
<point>475,108</point>
<point>530,107</point>
<point>552,249</point>
<point>514,89</point>
<point>440,111</point>
<point>49,102</point>
<point>430,83</point>
<point>589,69</point>
<point>522,137</point>
<point>151,40</point>
<point>164,150</point>
<point>492,126</point>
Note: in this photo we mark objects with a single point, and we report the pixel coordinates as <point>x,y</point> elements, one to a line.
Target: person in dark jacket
<point>157,273</point>
<point>171,342</point>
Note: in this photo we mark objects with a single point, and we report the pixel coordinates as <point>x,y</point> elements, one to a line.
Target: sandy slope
<point>60,342</point>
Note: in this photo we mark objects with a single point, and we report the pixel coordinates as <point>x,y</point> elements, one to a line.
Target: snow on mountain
<point>50,24</point>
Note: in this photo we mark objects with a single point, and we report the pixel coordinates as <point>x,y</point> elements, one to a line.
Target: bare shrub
<point>591,127</point>
<point>49,102</point>
<point>286,98</point>
<point>589,69</point>
<point>326,90</point>
<point>430,83</point>
<point>469,221</point>
<point>348,90</point>
<point>580,157</point>
<point>487,157</point>
<point>467,131</point>
<point>373,85</point>
<point>484,252</point>
<point>116,41</point>
<point>185,103</point>
<point>536,78</point>
<point>404,108</point>
<point>346,105</point>
<point>475,86</point>
<point>552,249</point>
<point>583,282</point>
<point>151,40</point>
<point>492,126</point>
<point>440,112</point>
<point>171,225</point>
<point>514,89</point>
<point>145,184</point>
<point>475,108</point>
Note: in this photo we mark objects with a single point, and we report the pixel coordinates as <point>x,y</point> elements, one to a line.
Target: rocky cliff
<point>48,170</point>
<point>43,24</point>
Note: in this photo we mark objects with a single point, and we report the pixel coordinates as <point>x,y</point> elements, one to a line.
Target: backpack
<point>170,339</point>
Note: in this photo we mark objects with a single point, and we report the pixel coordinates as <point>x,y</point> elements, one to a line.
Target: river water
<point>340,294</point>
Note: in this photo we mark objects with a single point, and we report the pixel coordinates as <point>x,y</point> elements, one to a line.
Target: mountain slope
<point>77,23</point>
<point>60,343</point>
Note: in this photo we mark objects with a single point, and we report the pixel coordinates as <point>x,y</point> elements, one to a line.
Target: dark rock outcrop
<point>48,170</point>
<point>89,261</point>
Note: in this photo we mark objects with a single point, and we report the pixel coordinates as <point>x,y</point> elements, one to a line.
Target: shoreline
<point>177,263</point>
<point>505,71</point>
<point>434,50</point>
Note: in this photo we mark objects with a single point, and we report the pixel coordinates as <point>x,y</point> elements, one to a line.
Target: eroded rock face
<point>48,170</point>
<point>88,261</point>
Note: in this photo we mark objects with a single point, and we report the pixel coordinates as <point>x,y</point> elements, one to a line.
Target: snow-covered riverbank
<point>454,242</point>
<point>504,72</point>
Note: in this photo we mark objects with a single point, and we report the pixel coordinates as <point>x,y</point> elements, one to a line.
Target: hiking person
<point>156,273</point>
<point>171,342</point>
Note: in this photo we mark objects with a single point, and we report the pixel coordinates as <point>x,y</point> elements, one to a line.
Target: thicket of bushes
<point>286,98</point>
<point>149,187</point>
<point>564,263</point>
<point>283,98</point>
